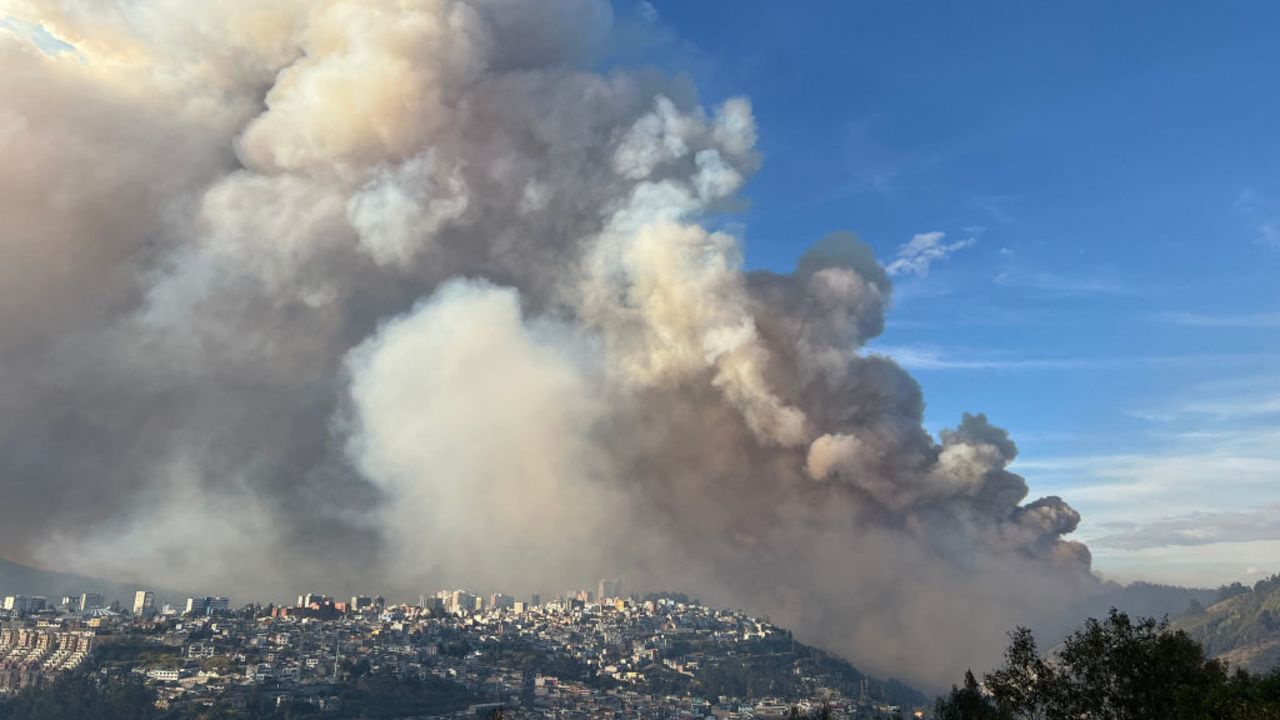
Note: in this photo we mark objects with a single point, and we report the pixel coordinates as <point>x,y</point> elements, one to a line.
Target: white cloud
<point>923,250</point>
<point>1196,528</point>
<point>1253,320</point>
<point>1191,565</point>
<point>1061,284</point>
<point>930,358</point>
<point>1233,408</point>
<point>1170,513</point>
<point>1263,212</point>
<point>1220,401</point>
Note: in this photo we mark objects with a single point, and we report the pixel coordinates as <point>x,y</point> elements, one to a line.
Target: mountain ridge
<point>21,579</point>
<point>1241,627</point>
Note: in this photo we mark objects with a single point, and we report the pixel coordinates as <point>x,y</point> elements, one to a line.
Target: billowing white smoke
<point>479,426</point>
<point>349,293</point>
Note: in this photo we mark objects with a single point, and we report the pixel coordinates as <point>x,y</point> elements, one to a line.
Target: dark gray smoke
<point>330,294</point>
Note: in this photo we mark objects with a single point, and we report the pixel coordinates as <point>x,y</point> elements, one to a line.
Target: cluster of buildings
<point>28,604</point>
<point>582,655</point>
<point>144,605</point>
<point>32,655</point>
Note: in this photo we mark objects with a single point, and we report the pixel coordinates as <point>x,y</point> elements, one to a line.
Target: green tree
<point>968,702</point>
<point>1027,685</point>
<point>1115,669</point>
<point>81,696</point>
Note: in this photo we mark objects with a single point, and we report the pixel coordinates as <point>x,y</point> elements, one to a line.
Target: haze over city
<point>895,327</point>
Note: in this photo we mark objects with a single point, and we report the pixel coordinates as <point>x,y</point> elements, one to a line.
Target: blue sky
<point>1107,178</point>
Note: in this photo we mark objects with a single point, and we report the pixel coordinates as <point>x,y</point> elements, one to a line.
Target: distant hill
<point>17,579</point>
<point>1242,627</point>
<point>1138,599</point>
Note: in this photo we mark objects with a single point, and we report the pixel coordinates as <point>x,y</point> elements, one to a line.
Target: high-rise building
<point>498,601</point>
<point>198,606</point>
<point>144,602</point>
<point>607,588</point>
<point>535,600</point>
<point>460,601</point>
<point>22,604</point>
<point>91,601</point>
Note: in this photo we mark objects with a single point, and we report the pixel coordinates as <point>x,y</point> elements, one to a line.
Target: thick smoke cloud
<point>348,295</point>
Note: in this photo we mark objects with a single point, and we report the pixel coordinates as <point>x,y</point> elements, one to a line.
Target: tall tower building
<point>608,588</point>
<point>144,602</point>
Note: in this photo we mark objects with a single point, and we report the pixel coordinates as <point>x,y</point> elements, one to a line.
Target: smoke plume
<point>354,295</point>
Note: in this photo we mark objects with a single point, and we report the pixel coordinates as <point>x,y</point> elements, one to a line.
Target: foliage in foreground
<point>83,695</point>
<point>1114,669</point>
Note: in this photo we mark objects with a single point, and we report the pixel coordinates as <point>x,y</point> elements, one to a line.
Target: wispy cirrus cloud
<point>1144,513</point>
<point>930,357</point>
<point>1019,273</point>
<point>1063,284</point>
<point>875,164</point>
<point>1196,528</point>
<point>915,256</point>
<point>1263,212</point>
<point>1236,408</point>
<point>1000,208</point>
<point>1192,319</point>
<point>1221,401</point>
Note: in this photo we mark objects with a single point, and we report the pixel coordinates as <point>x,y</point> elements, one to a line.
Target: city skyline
<point>575,659</point>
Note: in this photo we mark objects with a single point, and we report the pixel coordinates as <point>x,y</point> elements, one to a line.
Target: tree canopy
<point>1114,669</point>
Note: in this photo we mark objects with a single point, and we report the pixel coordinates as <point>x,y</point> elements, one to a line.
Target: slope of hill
<point>17,579</point>
<point>1242,628</point>
<point>1137,599</point>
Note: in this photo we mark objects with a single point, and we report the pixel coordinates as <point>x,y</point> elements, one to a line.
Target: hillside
<point>1242,628</point>
<point>18,579</point>
<point>1137,599</point>
<point>561,659</point>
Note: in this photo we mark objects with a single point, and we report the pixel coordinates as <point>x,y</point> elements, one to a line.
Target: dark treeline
<point>81,695</point>
<point>1114,669</point>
